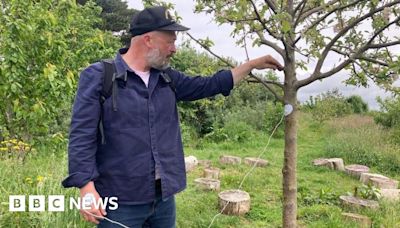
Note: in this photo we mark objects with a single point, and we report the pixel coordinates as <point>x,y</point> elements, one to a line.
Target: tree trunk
<point>290,154</point>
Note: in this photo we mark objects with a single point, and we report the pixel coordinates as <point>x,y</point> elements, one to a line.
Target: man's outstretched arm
<point>264,62</point>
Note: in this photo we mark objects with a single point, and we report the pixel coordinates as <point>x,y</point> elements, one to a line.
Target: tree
<point>116,17</point>
<point>357,104</point>
<point>43,46</point>
<point>300,31</point>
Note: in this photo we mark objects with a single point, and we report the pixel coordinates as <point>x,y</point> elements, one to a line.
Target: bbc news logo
<point>57,203</point>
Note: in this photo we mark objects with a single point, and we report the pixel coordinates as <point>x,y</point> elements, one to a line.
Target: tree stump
<point>211,172</point>
<point>205,163</point>
<point>226,159</point>
<point>190,163</point>
<point>363,221</point>
<point>332,163</point>
<point>234,202</point>
<point>356,170</point>
<point>256,161</point>
<point>384,183</point>
<point>207,184</point>
<point>321,162</point>
<point>337,163</point>
<point>354,202</point>
<point>390,194</point>
<point>364,177</point>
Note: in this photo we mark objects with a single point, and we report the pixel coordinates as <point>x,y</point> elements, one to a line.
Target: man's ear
<point>148,40</point>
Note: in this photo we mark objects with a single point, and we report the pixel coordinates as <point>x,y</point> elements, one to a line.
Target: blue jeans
<point>157,214</point>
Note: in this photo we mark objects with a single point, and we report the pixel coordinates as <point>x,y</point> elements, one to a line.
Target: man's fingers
<point>92,215</point>
<point>103,212</point>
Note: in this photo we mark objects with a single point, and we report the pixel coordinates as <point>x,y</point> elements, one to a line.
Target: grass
<point>318,188</point>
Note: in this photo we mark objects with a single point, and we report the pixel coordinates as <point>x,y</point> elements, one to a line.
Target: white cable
<point>252,168</point>
<point>105,218</point>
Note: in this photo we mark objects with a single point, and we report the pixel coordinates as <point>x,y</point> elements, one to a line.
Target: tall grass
<point>357,139</point>
<point>318,188</point>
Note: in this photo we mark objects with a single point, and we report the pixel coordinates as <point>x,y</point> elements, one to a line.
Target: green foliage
<point>43,46</point>
<point>357,104</point>
<point>323,196</point>
<point>390,112</point>
<point>329,105</point>
<point>232,130</point>
<point>273,115</point>
<point>389,116</point>
<point>369,192</point>
<point>358,140</point>
<point>116,17</point>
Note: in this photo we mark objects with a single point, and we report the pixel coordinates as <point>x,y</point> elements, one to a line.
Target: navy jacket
<point>143,133</point>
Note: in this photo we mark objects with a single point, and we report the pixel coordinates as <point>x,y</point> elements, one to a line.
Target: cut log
<point>392,195</point>
<point>384,183</point>
<point>320,162</point>
<point>190,163</point>
<point>211,172</point>
<point>234,202</point>
<point>208,184</point>
<point>337,163</point>
<point>356,170</point>
<point>364,177</point>
<point>205,163</point>
<point>226,159</point>
<point>354,202</point>
<point>256,161</point>
<point>332,163</point>
<point>363,221</point>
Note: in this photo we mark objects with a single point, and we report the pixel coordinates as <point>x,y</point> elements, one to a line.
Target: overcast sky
<point>202,26</point>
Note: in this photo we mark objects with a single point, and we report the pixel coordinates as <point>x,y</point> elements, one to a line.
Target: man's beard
<point>156,60</point>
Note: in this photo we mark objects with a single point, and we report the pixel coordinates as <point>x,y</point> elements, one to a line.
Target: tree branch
<point>316,75</point>
<point>324,17</point>
<point>377,46</point>
<point>263,82</point>
<point>344,31</point>
<point>302,5</point>
<point>263,21</point>
<point>269,87</point>
<point>316,9</point>
<point>271,5</point>
<point>271,44</point>
<point>368,59</point>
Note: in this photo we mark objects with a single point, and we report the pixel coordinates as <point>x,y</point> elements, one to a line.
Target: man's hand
<point>264,62</point>
<point>90,190</point>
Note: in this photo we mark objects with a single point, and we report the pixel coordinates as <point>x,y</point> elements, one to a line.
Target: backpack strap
<point>167,79</point>
<point>108,89</point>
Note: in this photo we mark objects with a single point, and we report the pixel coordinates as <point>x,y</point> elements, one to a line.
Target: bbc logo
<point>36,203</point>
<point>57,203</point>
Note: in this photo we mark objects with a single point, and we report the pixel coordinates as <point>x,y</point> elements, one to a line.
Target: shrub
<point>330,105</point>
<point>357,104</point>
<point>389,116</point>
<point>272,117</point>
<point>236,131</point>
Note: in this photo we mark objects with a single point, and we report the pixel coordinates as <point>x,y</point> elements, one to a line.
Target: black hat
<point>154,19</point>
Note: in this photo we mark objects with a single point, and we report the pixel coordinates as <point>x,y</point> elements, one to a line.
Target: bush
<point>272,117</point>
<point>389,116</point>
<point>236,131</point>
<point>329,105</point>
<point>357,104</point>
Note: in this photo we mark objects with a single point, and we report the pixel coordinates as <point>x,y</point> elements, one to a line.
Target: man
<point>142,161</point>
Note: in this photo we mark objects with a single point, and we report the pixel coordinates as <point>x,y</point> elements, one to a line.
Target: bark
<point>290,153</point>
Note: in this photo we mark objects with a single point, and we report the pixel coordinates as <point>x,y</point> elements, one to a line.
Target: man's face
<point>162,49</point>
